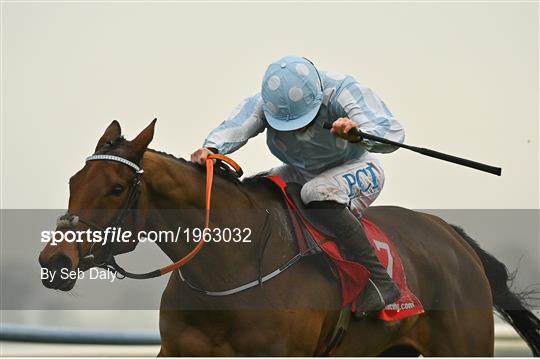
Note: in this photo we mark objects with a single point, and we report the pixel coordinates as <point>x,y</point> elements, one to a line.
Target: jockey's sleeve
<point>246,121</point>
<point>363,106</point>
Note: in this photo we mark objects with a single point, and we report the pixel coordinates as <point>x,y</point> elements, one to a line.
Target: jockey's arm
<point>246,121</point>
<point>371,115</point>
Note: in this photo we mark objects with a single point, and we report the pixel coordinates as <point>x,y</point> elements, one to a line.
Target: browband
<point>117,159</point>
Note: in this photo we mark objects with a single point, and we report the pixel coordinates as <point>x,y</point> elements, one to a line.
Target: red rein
<point>208,194</point>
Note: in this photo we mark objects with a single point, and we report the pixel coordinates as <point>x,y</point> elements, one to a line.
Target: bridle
<point>87,261</point>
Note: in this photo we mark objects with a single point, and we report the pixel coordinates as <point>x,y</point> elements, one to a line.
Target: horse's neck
<point>177,191</point>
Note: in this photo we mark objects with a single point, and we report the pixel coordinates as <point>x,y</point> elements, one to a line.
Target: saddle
<point>314,237</point>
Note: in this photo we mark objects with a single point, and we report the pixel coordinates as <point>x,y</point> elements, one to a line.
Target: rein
<point>88,261</point>
<point>207,205</point>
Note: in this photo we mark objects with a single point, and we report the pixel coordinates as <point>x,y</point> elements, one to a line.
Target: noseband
<point>69,220</point>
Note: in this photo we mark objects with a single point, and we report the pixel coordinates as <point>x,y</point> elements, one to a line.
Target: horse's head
<point>99,195</point>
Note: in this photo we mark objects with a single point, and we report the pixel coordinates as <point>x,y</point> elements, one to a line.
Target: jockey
<point>338,171</point>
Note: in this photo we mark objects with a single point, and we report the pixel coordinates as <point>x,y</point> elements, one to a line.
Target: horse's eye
<point>117,190</point>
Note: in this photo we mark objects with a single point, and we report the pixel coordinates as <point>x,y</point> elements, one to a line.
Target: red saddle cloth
<point>353,276</point>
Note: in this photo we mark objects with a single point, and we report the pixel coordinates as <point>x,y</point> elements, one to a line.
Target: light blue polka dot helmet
<point>291,93</point>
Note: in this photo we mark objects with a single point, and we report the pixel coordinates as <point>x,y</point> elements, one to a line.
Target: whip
<point>425,151</point>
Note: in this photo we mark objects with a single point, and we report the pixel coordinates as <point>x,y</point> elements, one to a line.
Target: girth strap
<point>246,286</point>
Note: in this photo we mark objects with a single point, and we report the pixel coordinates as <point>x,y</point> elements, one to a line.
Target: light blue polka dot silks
<point>315,149</point>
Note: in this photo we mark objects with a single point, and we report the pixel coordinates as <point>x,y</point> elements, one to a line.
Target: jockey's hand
<point>200,155</point>
<point>341,128</point>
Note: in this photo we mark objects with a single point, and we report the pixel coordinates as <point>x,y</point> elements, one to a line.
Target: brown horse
<point>458,283</point>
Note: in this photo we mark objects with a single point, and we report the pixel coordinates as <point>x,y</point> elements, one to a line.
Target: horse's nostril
<point>59,261</point>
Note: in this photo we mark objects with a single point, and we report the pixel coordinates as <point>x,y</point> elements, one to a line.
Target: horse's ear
<point>111,133</point>
<point>141,142</point>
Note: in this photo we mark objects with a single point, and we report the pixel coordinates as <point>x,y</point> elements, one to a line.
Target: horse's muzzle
<point>55,272</point>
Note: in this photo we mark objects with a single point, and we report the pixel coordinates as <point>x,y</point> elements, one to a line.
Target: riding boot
<point>380,290</point>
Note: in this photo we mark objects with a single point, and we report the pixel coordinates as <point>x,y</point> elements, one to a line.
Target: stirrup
<point>372,301</point>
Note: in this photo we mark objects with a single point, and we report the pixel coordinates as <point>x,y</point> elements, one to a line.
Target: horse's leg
<point>368,337</point>
<point>461,333</point>
<point>236,333</point>
<point>436,333</point>
<point>240,333</point>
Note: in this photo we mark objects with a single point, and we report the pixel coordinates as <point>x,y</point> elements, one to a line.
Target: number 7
<point>384,246</point>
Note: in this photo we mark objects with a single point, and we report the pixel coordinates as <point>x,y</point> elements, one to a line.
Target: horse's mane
<point>221,171</point>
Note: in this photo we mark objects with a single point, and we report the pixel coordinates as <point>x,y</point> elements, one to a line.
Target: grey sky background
<point>461,77</point>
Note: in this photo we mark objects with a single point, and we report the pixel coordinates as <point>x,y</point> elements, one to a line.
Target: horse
<point>458,282</point>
